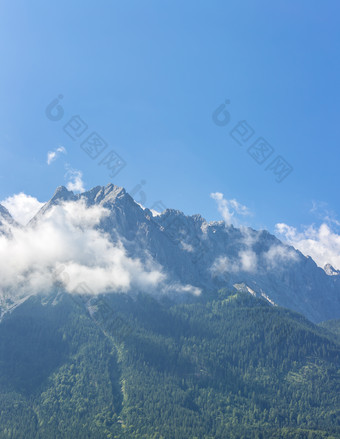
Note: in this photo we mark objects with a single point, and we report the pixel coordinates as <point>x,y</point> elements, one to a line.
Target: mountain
<point>6,221</point>
<point>161,361</point>
<point>330,270</point>
<point>4,214</point>
<point>212,255</point>
<point>225,366</point>
<point>333,326</point>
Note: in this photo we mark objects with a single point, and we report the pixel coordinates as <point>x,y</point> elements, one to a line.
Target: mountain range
<point>205,256</point>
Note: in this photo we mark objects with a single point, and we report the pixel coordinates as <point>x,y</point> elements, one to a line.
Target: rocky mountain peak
<point>330,270</point>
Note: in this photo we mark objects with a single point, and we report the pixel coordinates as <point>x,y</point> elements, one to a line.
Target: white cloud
<point>322,244</point>
<point>187,247</point>
<point>222,265</point>
<point>323,213</point>
<point>190,289</point>
<point>52,155</point>
<point>278,255</point>
<point>66,247</point>
<point>228,208</point>
<point>248,260</point>
<point>245,261</point>
<point>75,182</point>
<point>22,207</point>
<point>66,236</point>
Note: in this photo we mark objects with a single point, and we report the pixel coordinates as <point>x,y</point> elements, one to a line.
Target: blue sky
<point>147,77</point>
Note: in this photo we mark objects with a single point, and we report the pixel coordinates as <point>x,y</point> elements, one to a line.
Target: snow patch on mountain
<point>331,271</point>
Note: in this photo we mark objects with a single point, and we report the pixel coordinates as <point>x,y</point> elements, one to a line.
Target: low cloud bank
<point>249,260</point>
<point>67,247</point>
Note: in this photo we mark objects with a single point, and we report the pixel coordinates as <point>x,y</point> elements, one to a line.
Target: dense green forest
<point>333,326</point>
<point>226,365</point>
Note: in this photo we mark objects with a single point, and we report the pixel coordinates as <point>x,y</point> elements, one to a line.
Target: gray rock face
<point>213,255</point>
<point>6,221</point>
<point>5,215</point>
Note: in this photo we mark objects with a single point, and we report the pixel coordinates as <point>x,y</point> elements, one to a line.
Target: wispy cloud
<point>22,207</point>
<point>322,212</point>
<point>250,257</point>
<point>75,182</point>
<point>278,255</point>
<point>229,209</point>
<point>52,155</point>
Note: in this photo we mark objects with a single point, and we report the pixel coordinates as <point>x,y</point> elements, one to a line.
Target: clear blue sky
<point>147,76</point>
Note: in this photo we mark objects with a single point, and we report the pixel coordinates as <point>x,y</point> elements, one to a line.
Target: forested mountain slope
<point>226,365</point>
